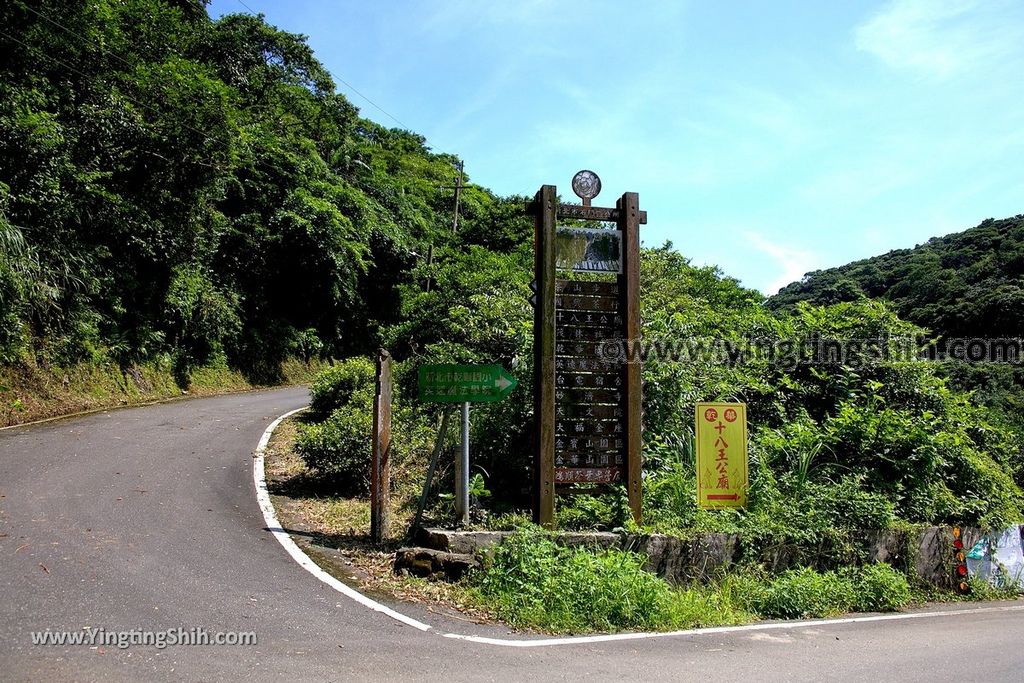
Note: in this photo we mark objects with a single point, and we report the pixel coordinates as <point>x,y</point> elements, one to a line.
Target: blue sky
<point>769,138</point>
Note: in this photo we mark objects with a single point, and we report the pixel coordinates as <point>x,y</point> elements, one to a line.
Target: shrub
<point>509,521</point>
<point>848,504</point>
<point>801,593</point>
<point>586,512</point>
<point>514,580</point>
<point>880,588</point>
<point>530,581</point>
<point>606,590</point>
<point>352,380</point>
<point>806,593</point>
<point>339,447</point>
<point>201,317</point>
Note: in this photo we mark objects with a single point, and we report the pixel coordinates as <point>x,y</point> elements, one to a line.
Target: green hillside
<point>968,284</point>
<point>966,289</point>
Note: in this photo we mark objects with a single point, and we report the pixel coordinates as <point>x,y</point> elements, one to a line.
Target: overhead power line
<point>347,84</point>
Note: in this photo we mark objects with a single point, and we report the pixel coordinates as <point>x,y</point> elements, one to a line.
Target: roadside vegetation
<point>873,440</point>
<point>964,286</point>
<point>838,449</point>
<point>530,581</point>
<point>188,204</point>
<point>30,392</point>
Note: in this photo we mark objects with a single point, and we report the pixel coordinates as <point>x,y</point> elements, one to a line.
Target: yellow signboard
<point>721,455</point>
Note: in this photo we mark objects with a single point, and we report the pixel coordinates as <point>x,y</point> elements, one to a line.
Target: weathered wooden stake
<point>380,473</point>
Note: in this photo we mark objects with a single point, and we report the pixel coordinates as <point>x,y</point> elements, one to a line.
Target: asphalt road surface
<point>147,519</point>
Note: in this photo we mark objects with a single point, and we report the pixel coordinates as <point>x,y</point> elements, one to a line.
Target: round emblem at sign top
<point>710,414</point>
<point>586,185</point>
<point>730,415</point>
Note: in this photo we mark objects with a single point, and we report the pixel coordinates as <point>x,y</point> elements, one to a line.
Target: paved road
<point>146,519</point>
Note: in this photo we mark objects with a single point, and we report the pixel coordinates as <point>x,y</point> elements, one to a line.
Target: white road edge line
<point>274,526</point>
<point>718,630</point>
<point>263,497</point>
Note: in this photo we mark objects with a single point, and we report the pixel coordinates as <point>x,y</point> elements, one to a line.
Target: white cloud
<point>941,38</point>
<point>792,261</point>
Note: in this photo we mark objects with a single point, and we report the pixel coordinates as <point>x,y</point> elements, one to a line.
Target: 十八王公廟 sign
<point>722,478</point>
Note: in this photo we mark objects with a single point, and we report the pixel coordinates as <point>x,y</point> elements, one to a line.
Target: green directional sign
<point>464,383</point>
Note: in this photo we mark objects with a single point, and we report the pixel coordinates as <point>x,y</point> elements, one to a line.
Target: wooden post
<point>380,473</point>
<point>544,356</point>
<point>629,290</point>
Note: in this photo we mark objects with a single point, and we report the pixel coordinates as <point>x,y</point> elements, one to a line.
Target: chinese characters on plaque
<point>721,430</point>
<point>589,415</point>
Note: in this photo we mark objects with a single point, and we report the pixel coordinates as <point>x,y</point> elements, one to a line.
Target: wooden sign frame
<point>628,218</point>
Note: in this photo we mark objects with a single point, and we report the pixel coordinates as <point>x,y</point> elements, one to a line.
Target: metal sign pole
<point>462,481</point>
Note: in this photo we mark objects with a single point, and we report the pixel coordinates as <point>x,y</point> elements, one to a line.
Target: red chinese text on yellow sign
<point>721,455</point>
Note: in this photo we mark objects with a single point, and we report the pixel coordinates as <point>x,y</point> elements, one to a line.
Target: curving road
<point>147,519</point>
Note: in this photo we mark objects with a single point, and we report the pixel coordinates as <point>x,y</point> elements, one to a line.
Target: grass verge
<point>30,392</point>
<point>334,530</point>
<point>530,581</point>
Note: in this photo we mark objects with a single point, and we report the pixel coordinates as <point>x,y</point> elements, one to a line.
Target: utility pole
<point>458,196</point>
<point>459,184</point>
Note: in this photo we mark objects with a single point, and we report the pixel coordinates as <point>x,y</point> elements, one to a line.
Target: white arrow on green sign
<point>464,383</point>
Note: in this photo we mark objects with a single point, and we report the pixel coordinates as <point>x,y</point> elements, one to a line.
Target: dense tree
<point>968,284</point>
<point>964,286</point>
<point>170,184</point>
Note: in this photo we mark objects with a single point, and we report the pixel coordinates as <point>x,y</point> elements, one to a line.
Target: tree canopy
<point>171,184</point>
<point>968,284</point>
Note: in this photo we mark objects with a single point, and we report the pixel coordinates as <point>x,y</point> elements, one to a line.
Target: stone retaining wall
<point>928,552</point>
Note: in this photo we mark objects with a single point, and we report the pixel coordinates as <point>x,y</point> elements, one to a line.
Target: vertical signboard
<point>722,478</point>
<point>590,414</point>
<point>587,408</point>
